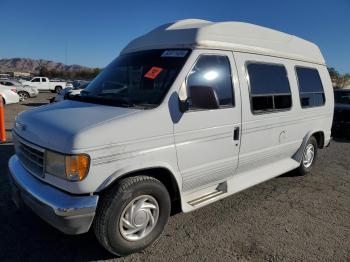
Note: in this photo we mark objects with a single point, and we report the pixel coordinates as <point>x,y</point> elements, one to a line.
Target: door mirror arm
<point>184,105</point>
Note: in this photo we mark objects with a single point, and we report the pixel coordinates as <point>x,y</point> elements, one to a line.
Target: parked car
<point>44,83</point>
<point>70,91</point>
<point>341,120</point>
<point>188,114</point>
<point>69,84</point>
<point>9,96</point>
<point>23,91</point>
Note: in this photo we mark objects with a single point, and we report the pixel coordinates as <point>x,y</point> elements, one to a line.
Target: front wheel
<point>23,96</point>
<point>132,214</point>
<point>308,157</point>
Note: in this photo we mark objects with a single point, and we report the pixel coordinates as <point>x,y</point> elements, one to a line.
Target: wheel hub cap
<point>139,218</point>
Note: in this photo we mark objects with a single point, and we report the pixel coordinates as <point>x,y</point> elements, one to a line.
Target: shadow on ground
<point>34,104</point>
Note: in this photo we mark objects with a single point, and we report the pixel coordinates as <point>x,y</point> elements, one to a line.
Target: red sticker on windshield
<point>153,72</point>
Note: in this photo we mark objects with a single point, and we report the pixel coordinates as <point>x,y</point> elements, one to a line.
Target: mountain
<point>33,66</point>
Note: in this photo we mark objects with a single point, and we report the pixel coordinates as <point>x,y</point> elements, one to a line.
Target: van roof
<point>237,36</point>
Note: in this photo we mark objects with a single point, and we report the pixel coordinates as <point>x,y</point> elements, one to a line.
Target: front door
<point>208,141</point>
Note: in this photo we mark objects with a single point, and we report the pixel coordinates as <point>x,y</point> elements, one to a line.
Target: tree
<point>43,71</point>
<point>334,74</point>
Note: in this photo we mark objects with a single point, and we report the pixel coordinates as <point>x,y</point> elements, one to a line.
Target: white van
<point>188,114</point>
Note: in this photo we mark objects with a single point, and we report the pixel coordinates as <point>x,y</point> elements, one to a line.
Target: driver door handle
<point>236,134</point>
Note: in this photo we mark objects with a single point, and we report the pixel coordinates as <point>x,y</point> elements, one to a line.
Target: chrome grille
<point>31,156</point>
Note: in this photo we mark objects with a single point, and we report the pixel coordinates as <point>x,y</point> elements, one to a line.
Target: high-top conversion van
<point>188,114</point>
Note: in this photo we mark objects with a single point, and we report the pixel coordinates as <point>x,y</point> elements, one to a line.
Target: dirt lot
<point>286,219</point>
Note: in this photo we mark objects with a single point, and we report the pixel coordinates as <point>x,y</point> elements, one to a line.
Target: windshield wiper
<point>114,97</point>
<point>115,101</point>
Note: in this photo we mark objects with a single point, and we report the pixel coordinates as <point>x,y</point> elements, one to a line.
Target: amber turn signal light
<point>77,167</point>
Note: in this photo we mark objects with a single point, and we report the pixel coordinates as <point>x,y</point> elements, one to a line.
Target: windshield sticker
<point>153,72</point>
<point>174,53</point>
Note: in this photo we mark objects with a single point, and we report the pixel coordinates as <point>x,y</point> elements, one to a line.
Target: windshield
<point>342,97</point>
<point>136,79</point>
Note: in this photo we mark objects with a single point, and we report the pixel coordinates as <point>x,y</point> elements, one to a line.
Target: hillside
<point>33,66</point>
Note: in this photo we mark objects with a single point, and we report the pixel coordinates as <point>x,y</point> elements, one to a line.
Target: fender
<point>127,170</point>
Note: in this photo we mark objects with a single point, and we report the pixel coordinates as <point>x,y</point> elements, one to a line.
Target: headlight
<point>69,167</point>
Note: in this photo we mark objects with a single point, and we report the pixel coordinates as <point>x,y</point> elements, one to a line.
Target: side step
<point>221,189</point>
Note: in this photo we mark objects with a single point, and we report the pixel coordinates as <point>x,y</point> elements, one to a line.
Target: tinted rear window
<point>310,87</point>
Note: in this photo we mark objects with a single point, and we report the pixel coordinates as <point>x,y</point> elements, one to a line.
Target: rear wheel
<point>132,214</point>
<point>23,95</point>
<point>308,157</point>
<point>58,89</point>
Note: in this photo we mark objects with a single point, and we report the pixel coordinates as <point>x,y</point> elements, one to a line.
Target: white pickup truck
<point>43,83</point>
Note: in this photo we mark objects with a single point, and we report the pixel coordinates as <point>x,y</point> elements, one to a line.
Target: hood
<point>56,126</point>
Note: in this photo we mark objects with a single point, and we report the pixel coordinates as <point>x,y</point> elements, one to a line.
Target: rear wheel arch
<point>319,136</point>
<point>164,175</point>
<point>58,88</point>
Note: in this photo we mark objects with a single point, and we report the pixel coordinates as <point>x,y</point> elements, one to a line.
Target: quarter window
<point>310,87</point>
<point>43,79</point>
<point>269,87</point>
<point>213,71</point>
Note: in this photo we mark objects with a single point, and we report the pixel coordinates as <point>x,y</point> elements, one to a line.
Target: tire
<point>307,162</point>
<point>116,203</point>
<point>3,101</point>
<point>58,89</point>
<point>23,95</point>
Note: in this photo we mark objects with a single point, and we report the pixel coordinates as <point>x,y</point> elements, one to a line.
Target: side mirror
<point>203,97</point>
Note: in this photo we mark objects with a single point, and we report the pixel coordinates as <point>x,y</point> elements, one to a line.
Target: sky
<point>92,33</point>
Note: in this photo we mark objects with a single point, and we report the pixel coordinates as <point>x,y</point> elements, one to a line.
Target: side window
<point>310,87</point>
<point>213,71</point>
<point>8,83</point>
<point>43,79</point>
<point>36,80</point>
<point>269,87</point>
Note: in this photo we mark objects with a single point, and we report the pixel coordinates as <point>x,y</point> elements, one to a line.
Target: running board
<point>221,189</point>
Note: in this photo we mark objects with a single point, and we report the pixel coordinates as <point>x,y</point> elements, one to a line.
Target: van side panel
<point>271,137</point>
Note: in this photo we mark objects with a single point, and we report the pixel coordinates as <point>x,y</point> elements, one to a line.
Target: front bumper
<point>69,214</point>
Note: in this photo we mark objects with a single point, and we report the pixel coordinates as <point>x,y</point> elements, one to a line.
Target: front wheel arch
<point>164,175</point>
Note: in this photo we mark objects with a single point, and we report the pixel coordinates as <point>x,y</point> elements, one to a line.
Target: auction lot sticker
<point>153,72</point>
<point>174,53</point>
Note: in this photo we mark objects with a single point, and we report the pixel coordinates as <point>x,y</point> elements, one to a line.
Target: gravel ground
<point>289,218</point>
